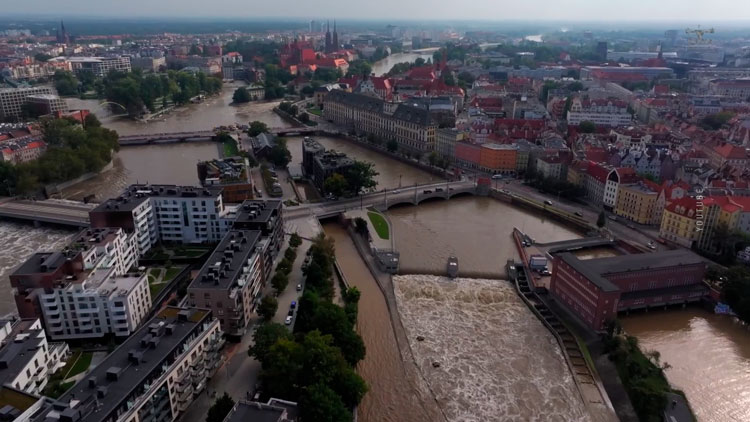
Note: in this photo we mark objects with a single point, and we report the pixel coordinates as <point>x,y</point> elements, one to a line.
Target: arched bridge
<point>429,194</point>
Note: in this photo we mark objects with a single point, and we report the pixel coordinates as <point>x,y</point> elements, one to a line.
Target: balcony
<point>186,395</point>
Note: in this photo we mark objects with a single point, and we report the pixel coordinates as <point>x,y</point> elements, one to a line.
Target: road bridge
<point>167,137</point>
<point>67,213</point>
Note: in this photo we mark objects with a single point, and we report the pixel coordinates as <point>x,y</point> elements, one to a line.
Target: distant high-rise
<point>336,44</point>
<point>315,26</point>
<point>601,50</point>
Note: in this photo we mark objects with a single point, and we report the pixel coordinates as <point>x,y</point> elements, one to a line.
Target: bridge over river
<point>66,213</point>
<point>206,135</point>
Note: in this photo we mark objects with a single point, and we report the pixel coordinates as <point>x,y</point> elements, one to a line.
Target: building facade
<point>637,202</point>
<point>12,100</point>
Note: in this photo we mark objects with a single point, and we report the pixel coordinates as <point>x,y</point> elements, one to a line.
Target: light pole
<point>399,180</point>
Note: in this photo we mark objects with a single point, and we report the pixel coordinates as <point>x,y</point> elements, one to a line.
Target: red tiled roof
<point>598,172</point>
<point>684,206</point>
<point>730,151</point>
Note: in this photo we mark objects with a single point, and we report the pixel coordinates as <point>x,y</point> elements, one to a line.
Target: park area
<point>380,225</point>
<point>159,278</point>
<point>63,379</point>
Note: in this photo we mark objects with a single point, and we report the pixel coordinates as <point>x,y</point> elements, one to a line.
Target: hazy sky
<point>697,11</point>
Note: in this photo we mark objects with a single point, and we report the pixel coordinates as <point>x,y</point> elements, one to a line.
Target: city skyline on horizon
<point>478,10</point>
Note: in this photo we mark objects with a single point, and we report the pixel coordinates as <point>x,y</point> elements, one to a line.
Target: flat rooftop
<point>135,195</point>
<point>225,263</point>
<point>257,211</point>
<point>18,349</point>
<point>118,375</point>
<point>41,262</point>
<point>245,411</point>
<point>598,269</point>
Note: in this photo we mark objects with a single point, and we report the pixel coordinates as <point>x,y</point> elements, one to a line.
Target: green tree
<point>264,337</point>
<point>359,68</point>
<point>361,175</point>
<point>279,282</point>
<point>320,403</point>
<point>241,95</point>
<point>256,128</point>
<point>392,145</point>
<point>295,240</point>
<point>220,409</point>
<point>335,185</point>
<point>715,121</point>
<point>268,307</point>
<point>279,154</point>
<point>290,254</point>
<point>65,83</point>
<point>601,220</point>
<point>304,118</point>
<point>41,57</point>
<point>587,127</point>
<point>360,225</point>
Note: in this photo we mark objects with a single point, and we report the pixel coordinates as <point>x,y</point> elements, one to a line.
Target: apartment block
<point>106,247</point>
<point>167,213</point>
<point>12,100</point>
<point>153,376</point>
<point>99,66</point>
<point>230,281</point>
<point>27,359</point>
<point>268,218</point>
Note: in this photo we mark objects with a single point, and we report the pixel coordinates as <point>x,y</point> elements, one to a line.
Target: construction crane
<point>699,33</point>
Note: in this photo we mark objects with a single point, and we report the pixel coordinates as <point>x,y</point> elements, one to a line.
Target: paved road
<point>47,210</point>
<point>239,374</point>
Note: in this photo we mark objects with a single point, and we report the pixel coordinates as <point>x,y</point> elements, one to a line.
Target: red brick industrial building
<point>597,289</point>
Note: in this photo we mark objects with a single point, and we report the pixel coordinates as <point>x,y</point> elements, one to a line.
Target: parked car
<point>579,214</point>
<point>290,313</point>
<point>497,176</point>
<point>293,304</point>
<point>396,191</point>
<point>427,191</point>
<point>548,202</point>
<point>612,217</point>
<point>288,320</point>
<point>299,287</point>
<point>630,226</point>
<point>651,246</point>
<point>439,190</point>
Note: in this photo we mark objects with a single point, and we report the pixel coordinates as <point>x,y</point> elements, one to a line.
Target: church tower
<point>335,46</point>
<point>328,37</point>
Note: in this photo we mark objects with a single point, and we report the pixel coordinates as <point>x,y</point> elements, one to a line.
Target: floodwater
<point>391,173</point>
<point>381,67</point>
<point>214,111</point>
<point>475,230</point>
<point>709,357</point>
<point>392,397</point>
<point>497,362</point>
<point>20,241</point>
<point>159,164</point>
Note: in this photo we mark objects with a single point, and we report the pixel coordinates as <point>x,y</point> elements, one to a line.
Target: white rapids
<point>497,362</point>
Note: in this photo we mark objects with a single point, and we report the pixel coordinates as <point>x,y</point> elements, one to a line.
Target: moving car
<point>439,190</point>
<point>651,245</point>
<point>293,304</point>
<point>548,202</point>
<point>299,287</point>
<point>396,191</point>
<point>288,320</point>
<point>497,176</point>
<point>427,191</point>
<point>612,217</point>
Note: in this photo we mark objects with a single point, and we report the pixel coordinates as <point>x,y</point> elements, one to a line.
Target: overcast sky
<point>697,11</point>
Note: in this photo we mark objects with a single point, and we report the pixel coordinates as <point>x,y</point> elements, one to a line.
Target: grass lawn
<point>171,273</point>
<point>82,363</point>
<point>230,149</point>
<point>193,253</point>
<point>154,272</point>
<point>315,110</point>
<point>381,226</point>
<point>155,289</point>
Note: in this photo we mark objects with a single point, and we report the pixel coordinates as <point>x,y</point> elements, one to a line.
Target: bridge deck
<point>47,211</point>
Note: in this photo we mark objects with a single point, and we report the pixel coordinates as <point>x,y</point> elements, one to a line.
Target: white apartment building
<point>153,376</point>
<point>99,66</point>
<point>26,358</point>
<point>108,247</point>
<point>13,99</point>
<point>602,112</point>
<point>103,303</point>
<point>167,213</point>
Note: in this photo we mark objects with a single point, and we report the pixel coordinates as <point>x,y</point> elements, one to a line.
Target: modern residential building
<point>319,164</point>
<point>266,216</point>
<point>95,304</point>
<point>230,281</point>
<point>99,66</point>
<point>12,100</point>
<point>412,127</point>
<point>167,213</point>
<point>27,359</point>
<point>595,290</point>
<point>153,376</point>
<point>109,247</point>
<point>637,202</point>
<point>601,112</point>
<point>231,174</point>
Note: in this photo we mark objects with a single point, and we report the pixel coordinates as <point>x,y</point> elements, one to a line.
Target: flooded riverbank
<point>392,397</point>
<point>476,230</point>
<point>709,357</point>
<point>19,241</point>
<point>497,362</point>
<point>391,173</point>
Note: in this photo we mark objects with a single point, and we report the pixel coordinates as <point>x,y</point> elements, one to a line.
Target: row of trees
<point>269,304</point>
<point>554,185</point>
<point>67,84</point>
<point>736,291</point>
<point>135,91</point>
<point>361,175</point>
<point>314,366</point>
<point>72,150</point>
